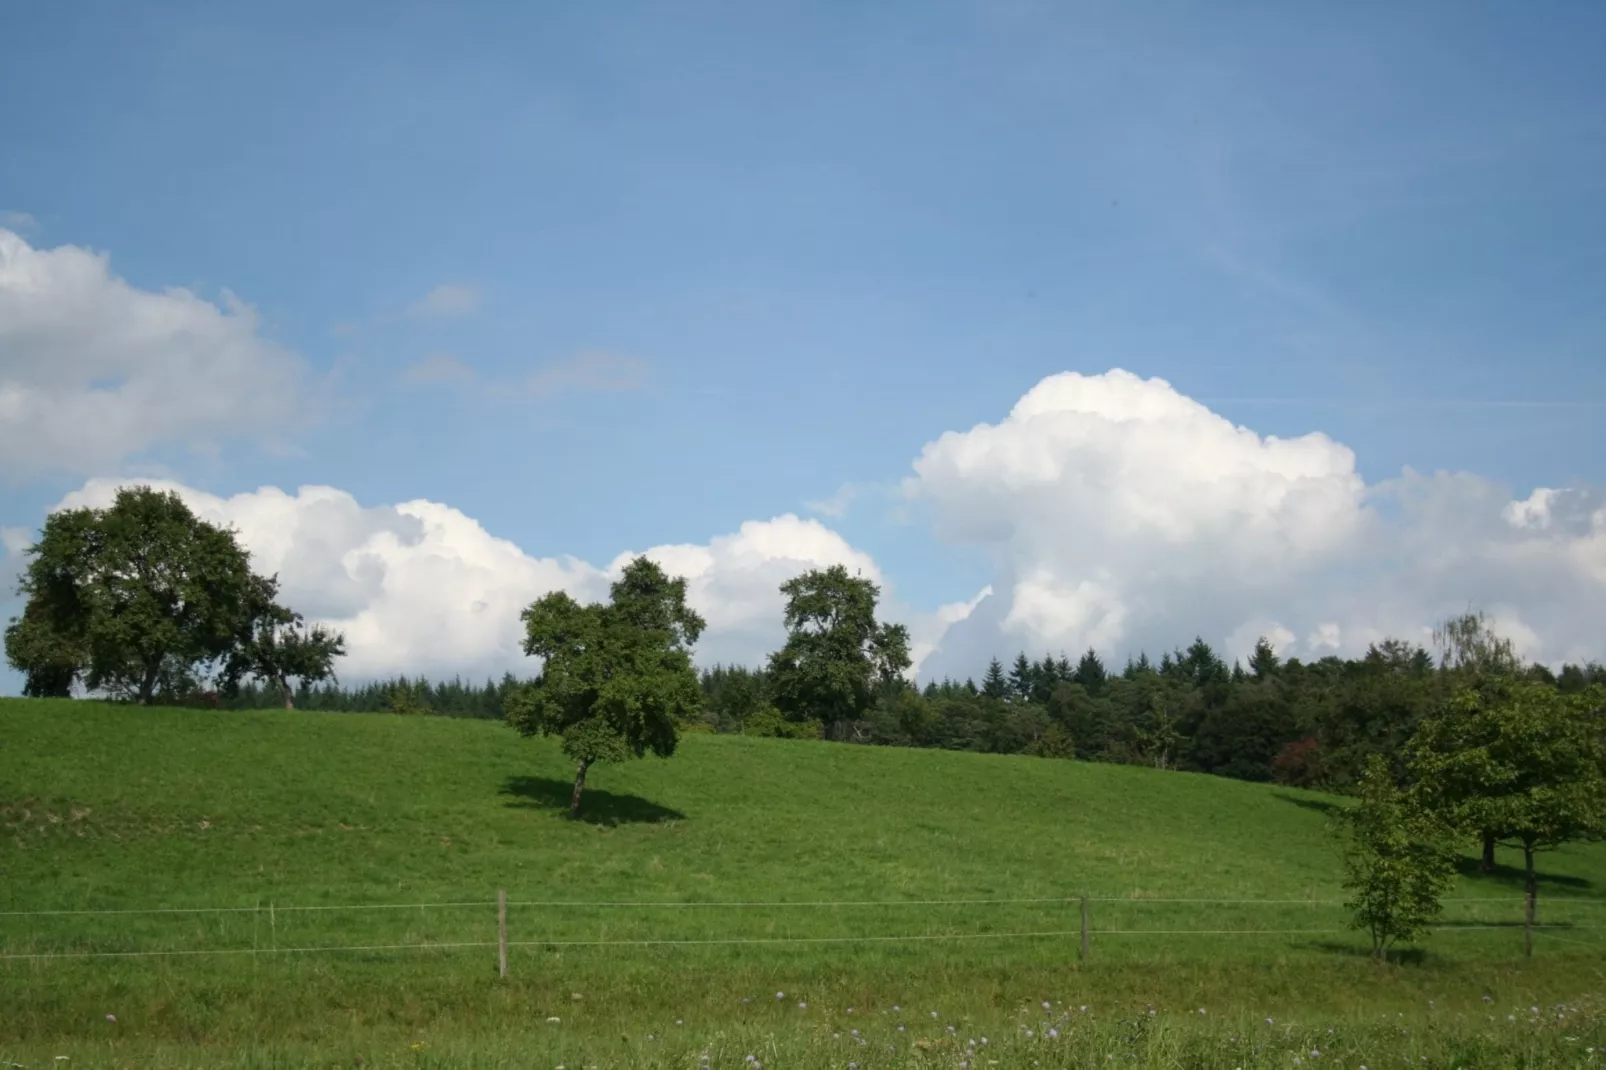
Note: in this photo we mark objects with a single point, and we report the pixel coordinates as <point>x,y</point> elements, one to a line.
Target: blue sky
<point>817,236</point>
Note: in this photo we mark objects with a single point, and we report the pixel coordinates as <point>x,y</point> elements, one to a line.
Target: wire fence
<point>272,929</point>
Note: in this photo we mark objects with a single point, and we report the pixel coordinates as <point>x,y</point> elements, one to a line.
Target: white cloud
<point>449,300</point>
<point>1122,515</point>
<point>419,587</point>
<point>602,372</point>
<point>93,370</point>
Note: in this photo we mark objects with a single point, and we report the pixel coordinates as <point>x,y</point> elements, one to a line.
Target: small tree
<point>616,678</point>
<point>1518,761</point>
<point>279,646</point>
<point>836,656</point>
<point>1395,862</point>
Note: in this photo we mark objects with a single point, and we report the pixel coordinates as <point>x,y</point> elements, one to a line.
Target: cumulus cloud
<point>94,370</point>
<point>1123,515</point>
<point>602,372</point>
<point>419,587</point>
<point>449,300</point>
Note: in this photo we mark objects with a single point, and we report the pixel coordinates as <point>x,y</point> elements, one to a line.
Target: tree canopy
<point>138,600</point>
<point>616,678</point>
<point>836,655</point>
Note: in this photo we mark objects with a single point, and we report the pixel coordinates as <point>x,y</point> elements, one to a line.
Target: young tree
<point>280,646</point>
<point>1395,862</point>
<point>616,678</point>
<point>132,599</point>
<point>1518,763</point>
<point>836,656</point>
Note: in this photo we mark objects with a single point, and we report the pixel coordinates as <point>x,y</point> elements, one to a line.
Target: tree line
<point>145,602</point>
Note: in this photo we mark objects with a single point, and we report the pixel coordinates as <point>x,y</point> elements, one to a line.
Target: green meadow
<point>305,889</point>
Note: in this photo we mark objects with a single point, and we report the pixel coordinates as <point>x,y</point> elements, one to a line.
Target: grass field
<point>868,878</point>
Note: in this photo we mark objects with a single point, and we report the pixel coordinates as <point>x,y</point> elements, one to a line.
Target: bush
<point>769,722</point>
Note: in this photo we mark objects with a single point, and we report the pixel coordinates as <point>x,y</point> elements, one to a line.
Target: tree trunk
<point>1488,852</point>
<point>147,685</point>
<point>1531,900</point>
<point>579,786</point>
<point>289,696</point>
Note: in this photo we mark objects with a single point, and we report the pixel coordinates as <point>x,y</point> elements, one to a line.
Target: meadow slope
<point>265,826</point>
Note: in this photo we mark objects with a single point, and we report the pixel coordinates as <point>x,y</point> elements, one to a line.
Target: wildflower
<point>984,1040</point>
<point>802,1005</point>
<point>853,1066</point>
<point>1201,1010</point>
<point>896,1007</point>
<point>1047,1004</point>
<point>418,1045</point>
<point>1053,1034</point>
<point>111,1017</point>
<point>900,1029</point>
<point>1084,1008</point>
<point>780,995</point>
<point>934,1014</point>
<point>553,1021</point>
<point>850,1010</point>
<point>680,1021</point>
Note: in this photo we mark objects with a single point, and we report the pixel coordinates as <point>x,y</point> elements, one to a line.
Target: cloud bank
<point>94,370</point>
<point>419,587</point>
<point>1121,515</point>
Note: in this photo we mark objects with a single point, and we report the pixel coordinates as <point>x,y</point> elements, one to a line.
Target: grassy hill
<point>268,815</point>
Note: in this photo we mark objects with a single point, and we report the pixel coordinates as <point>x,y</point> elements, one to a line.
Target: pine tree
<point>1020,677</point>
<point>1090,674</point>
<point>993,685</point>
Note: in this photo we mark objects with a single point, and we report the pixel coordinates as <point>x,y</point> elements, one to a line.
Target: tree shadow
<point>597,807</point>
<point>1514,877</point>
<point>1321,806</point>
<point>1398,956</point>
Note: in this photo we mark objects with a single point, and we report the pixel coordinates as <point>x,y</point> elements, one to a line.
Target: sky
<point>1071,324</point>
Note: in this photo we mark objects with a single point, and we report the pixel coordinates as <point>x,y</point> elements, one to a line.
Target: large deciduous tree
<point>134,600</point>
<point>616,678</point>
<point>1517,762</point>
<point>836,656</point>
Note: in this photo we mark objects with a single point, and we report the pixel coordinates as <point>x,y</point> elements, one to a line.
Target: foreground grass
<point>267,813</point>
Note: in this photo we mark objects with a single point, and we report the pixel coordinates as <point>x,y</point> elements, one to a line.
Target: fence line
<point>739,940</point>
<point>556,904</point>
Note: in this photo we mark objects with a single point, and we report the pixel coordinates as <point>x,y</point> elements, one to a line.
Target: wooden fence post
<point>1084,929</point>
<point>501,932</point>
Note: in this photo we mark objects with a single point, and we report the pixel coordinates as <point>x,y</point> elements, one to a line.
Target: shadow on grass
<point>597,807</point>
<point>1321,806</point>
<point>1513,877</point>
<point>1397,955</point>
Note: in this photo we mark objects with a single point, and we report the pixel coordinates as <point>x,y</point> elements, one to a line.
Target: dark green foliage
<point>278,646</point>
<point>1516,762</point>
<point>141,600</point>
<point>994,684</point>
<point>616,678</point>
<point>836,658</point>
